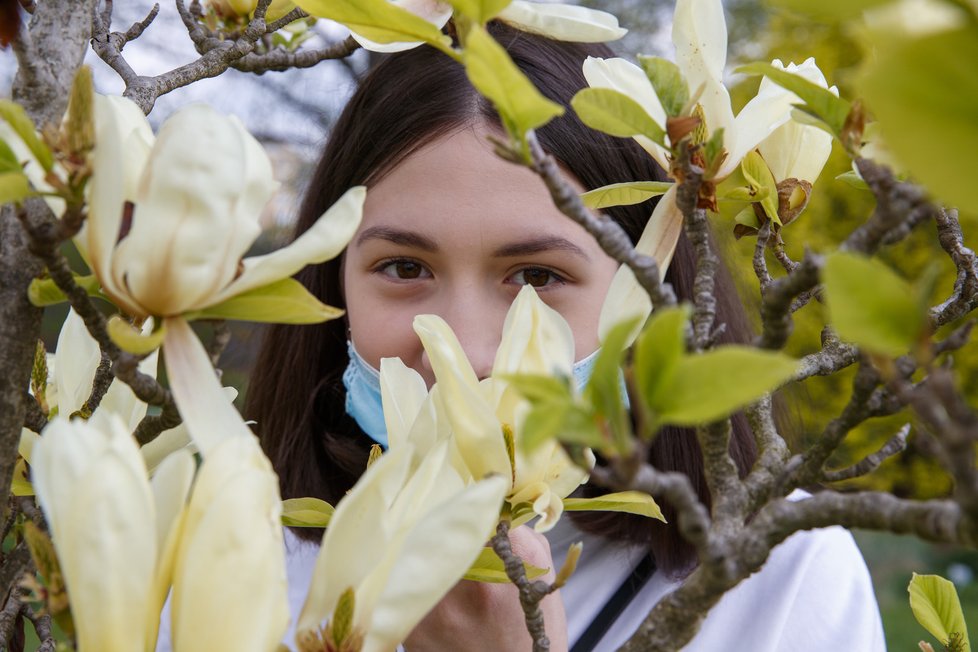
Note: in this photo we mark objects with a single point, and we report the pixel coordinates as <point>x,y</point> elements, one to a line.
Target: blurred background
<point>291,113</point>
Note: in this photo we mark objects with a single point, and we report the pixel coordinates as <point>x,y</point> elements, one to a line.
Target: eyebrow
<point>398,236</point>
<point>540,245</point>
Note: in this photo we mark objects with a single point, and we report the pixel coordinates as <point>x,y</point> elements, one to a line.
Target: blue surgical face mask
<point>364,404</point>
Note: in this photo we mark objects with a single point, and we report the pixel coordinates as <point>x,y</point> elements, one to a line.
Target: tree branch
<point>895,444</point>
<point>531,593</point>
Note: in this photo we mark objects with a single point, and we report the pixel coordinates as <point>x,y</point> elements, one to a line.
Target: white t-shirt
<point>814,594</point>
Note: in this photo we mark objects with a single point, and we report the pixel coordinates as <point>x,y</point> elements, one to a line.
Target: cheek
<point>381,331</point>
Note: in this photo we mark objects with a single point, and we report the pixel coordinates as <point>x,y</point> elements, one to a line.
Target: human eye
<point>538,277</point>
<point>402,269</point>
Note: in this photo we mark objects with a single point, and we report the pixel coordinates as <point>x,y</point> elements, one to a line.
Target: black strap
<point>638,578</point>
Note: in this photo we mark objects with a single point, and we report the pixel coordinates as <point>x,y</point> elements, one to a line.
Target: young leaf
<point>759,176</point>
<point>821,102</point>
<point>604,390</point>
<point>18,120</point>
<point>540,389</point>
<point>380,21</point>
<point>283,302</point>
<point>128,338</point>
<point>624,194</point>
<point>870,305</point>
<point>658,350</point>
<point>8,159</point>
<point>853,179</point>
<point>925,95</point>
<point>629,502</point>
<point>668,81</point>
<point>14,187</point>
<point>306,512</point>
<point>616,114</point>
<point>43,291</point>
<point>936,606</point>
<point>519,103</point>
<point>479,10</point>
<point>714,384</point>
<point>488,567</point>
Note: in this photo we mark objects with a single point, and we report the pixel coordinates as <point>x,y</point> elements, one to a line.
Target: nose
<point>477,323</point>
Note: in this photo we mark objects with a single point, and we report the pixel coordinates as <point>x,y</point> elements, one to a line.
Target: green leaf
<point>853,179</point>
<point>129,338</point>
<point>14,187</point>
<point>748,218</point>
<point>604,389</point>
<point>870,305</point>
<point>488,567</point>
<point>759,176</point>
<point>8,159</point>
<point>624,194</point>
<point>629,502</point>
<point>540,388</point>
<point>479,10</point>
<point>43,291</point>
<point>380,21</point>
<point>714,384</point>
<point>821,102</point>
<point>659,349</point>
<point>306,512</point>
<point>19,121</point>
<point>936,607</point>
<point>669,84</point>
<point>520,105</point>
<point>282,302</point>
<point>616,114</point>
<point>925,95</point>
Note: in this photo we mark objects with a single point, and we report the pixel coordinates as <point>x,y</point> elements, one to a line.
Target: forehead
<point>456,185</point>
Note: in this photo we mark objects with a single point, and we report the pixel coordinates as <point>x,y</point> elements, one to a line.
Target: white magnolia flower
<point>245,8</point>
<point>478,417</point>
<point>397,542</point>
<point>229,561</point>
<point>699,33</point>
<point>558,21</point>
<point>172,218</point>
<point>796,150</point>
<point>113,532</point>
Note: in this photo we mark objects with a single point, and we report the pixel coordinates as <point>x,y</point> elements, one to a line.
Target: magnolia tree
<point>113,506</point>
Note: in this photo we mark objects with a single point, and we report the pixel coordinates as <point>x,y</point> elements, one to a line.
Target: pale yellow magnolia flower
<point>558,21</point>
<point>796,150</point>
<point>699,33</point>
<point>112,530</point>
<point>229,562</point>
<point>172,218</point>
<point>475,418</point>
<point>396,544</point>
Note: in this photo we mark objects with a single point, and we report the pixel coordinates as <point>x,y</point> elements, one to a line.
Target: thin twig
<point>609,235</point>
<point>895,444</point>
<point>42,627</point>
<point>759,260</point>
<point>9,616</point>
<point>150,426</point>
<point>531,593</point>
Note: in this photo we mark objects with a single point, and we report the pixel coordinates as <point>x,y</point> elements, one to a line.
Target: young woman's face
<point>455,231</point>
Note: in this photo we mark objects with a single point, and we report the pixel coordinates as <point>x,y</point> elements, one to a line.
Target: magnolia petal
<point>25,447</point>
<point>563,22</point>
<point>356,539</point>
<point>171,486</point>
<point>536,339</point>
<point>433,11</point>
<point>77,357</point>
<point>199,396</point>
<point>699,32</point>
<point>477,431</point>
<point>32,168</point>
<point>323,241</point>
<point>194,217</point>
<point>795,150</point>
<point>92,486</point>
<point>232,523</point>
<point>403,392</point>
<point>123,140</point>
<point>626,299</point>
<point>454,535</point>
<point>625,77</point>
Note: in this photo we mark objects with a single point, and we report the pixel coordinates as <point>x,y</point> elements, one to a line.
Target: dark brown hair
<point>409,99</point>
